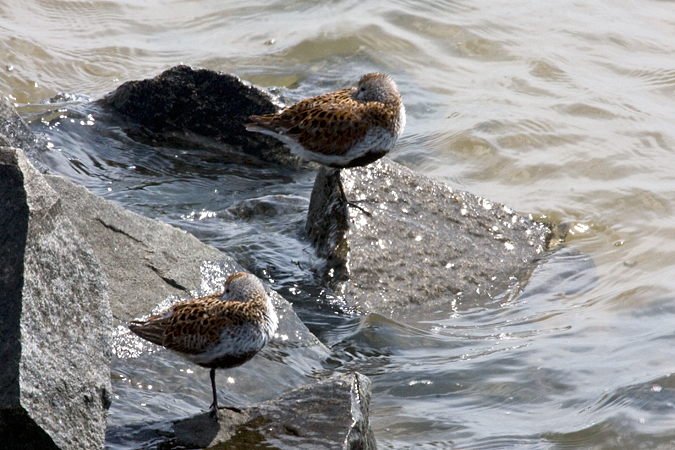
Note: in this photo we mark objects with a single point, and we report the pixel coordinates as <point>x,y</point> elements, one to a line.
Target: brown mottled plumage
<point>346,128</point>
<point>217,331</point>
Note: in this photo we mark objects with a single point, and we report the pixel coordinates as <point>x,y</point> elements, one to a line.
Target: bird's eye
<point>363,89</point>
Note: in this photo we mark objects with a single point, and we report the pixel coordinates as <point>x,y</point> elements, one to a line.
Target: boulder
<point>331,414</point>
<point>426,245</point>
<point>67,258</point>
<point>55,326</point>
<point>185,105</point>
<point>421,245</point>
<point>144,260</point>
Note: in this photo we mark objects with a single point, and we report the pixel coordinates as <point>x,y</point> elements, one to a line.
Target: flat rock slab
<point>144,260</point>
<point>55,326</point>
<point>425,245</point>
<point>331,414</point>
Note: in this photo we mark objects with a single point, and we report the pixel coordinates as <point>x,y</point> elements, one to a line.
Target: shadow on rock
<point>331,414</point>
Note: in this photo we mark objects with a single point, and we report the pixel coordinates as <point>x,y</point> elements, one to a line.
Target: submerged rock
<point>55,326</point>
<point>331,414</point>
<point>425,244</point>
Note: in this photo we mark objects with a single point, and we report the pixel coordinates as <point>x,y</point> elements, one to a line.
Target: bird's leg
<point>343,197</point>
<point>214,405</point>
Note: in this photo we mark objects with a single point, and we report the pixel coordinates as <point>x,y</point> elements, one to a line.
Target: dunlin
<point>346,128</point>
<point>218,331</point>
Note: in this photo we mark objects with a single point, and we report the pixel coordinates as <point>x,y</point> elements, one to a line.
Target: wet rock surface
<point>68,257</point>
<point>331,414</point>
<point>144,261</point>
<point>55,326</point>
<point>206,108</point>
<point>424,245</point>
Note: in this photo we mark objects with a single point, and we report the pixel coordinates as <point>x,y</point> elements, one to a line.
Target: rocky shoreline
<point>76,265</point>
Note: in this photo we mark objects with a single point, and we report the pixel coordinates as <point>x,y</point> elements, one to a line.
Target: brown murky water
<point>564,111</point>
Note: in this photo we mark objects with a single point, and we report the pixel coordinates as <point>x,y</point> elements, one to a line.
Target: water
<point>564,111</point>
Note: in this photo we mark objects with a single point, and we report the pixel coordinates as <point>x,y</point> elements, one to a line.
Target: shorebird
<point>346,128</point>
<point>218,331</point>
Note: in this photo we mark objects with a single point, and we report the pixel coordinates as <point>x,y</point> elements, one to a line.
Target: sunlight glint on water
<point>564,111</point>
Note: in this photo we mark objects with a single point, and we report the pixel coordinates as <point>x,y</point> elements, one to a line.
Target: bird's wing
<point>328,124</point>
<point>191,327</point>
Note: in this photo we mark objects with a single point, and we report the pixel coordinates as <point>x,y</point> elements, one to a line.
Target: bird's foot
<point>232,408</point>
<point>214,410</point>
<point>355,204</point>
<point>344,200</point>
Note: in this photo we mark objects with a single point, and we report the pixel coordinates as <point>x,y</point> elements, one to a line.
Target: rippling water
<point>565,111</point>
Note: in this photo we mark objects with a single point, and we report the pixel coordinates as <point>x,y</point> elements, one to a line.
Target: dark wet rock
<point>425,244</point>
<point>332,414</point>
<point>328,223</point>
<point>190,104</point>
<point>55,326</point>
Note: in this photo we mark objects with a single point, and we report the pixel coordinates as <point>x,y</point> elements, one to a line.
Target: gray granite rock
<point>331,414</point>
<point>144,260</point>
<point>55,329</point>
<point>15,131</point>
<point>425,244</point>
